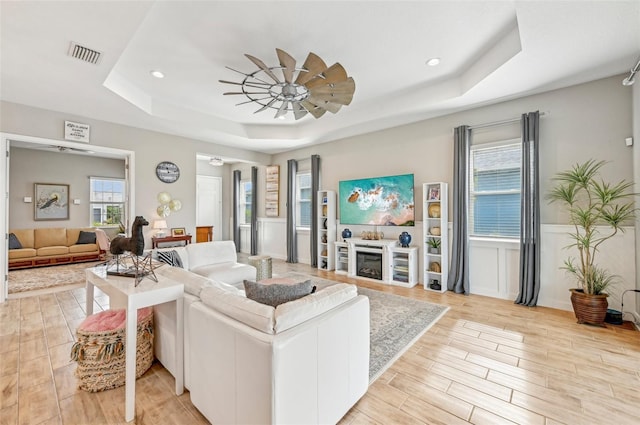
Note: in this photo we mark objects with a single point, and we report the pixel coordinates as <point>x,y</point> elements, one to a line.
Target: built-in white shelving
<point>342,257</point>
<point>435,232</point>
<point>326,228</point>
<point>404,266</point>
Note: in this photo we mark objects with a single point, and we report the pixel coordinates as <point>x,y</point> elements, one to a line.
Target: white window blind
<point>245,202</point>
<point>303,198</point>
<point>494,204</point>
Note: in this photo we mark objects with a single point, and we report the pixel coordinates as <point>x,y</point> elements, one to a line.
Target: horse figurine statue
<point>134,244</point>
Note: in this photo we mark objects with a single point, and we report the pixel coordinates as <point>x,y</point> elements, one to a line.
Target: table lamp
<point>160,225</point>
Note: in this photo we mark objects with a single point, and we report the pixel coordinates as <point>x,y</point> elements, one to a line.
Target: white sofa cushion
<point>249,312</point>
<point>290,314</point>
<point>272,320</point>
<point>201,254</point>
<point>193,283</point>
<point>231,273</point>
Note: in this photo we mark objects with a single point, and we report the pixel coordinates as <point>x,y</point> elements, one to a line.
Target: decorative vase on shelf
<point>405,239</point>
<point>434,210</point>
<point>346,234</point>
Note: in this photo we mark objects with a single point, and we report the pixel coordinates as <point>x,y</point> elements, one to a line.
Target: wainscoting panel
<point>617,255</point>
<point>270,239</point>
<point>493,267</point>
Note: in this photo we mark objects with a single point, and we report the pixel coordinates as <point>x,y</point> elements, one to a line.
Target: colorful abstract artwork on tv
<point>379,201</point>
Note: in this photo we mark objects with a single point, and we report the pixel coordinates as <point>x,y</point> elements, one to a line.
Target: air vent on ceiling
<point>84,53</point>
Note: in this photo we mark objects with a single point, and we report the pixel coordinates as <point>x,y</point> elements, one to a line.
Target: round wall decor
<point>167,172</point>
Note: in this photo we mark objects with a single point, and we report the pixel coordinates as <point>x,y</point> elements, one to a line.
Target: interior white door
<point>209,204</point>
<point>4,223</point>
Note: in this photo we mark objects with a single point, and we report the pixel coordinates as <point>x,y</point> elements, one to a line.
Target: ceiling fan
<point>314,88</point>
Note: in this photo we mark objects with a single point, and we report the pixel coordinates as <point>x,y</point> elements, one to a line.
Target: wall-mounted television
<point>379,201</point>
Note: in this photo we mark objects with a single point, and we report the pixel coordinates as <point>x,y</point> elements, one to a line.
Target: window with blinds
<point>245,202</point>
<point>107,201</point>
<point>494,190</point>
<point>303,198</point>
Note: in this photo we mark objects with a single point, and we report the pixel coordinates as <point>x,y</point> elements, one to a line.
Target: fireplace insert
<point>369,264</point>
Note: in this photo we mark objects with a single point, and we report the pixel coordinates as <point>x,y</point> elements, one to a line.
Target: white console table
<point>390,254</point>
<point>147,293</point>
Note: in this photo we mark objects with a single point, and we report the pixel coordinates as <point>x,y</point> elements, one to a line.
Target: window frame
<point>472,193</point>
<point>245,207</point>
<point>93,202</point>
<point>300,201</point>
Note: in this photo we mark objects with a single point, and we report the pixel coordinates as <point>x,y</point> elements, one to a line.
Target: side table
<point>166,239</point>
<point>262,263</point>
<point>147,293</point>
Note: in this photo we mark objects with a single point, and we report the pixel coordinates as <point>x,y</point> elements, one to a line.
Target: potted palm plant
<point>434,245</point>
<point>597,210</point>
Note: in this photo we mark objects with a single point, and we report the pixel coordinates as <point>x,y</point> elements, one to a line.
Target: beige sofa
<point>49,246</point>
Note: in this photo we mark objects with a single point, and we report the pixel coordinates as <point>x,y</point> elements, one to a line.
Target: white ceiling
<point>489,50</point>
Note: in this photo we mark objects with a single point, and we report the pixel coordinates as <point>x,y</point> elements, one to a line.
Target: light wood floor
<point>486,361</point>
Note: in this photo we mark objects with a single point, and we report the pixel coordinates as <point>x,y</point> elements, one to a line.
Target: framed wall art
<point>51,201</point>
<point>178,231</point>
<point>273,190</point>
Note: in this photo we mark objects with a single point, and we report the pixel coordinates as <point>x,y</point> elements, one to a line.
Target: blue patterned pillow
<point>170,257</point>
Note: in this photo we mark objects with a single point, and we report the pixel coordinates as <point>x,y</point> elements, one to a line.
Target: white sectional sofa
<point>217,260</point>
<point>303,362</point>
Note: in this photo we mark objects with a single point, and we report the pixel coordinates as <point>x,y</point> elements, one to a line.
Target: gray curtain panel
<point>254,210</point>
<point>530,213</point>
<point>315,187</point>
<point>459,266</point>
<point>292,245</point>
<point>236,207</point>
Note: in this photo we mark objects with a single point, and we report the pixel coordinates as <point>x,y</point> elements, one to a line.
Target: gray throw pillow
<point>14,242</point>
<point>86,238</point>
<point>276,294</point>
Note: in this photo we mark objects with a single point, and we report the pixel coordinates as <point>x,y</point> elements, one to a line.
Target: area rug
<point>396,323</point>
<point>47,277</point>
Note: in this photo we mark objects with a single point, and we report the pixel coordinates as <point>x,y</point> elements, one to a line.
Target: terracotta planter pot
<point>589,309</point>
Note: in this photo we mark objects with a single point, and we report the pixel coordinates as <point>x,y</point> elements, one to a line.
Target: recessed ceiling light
<point>433,61</point>
<point>157,74</point>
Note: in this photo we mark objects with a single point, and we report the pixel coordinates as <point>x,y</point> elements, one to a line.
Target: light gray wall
<point>585,121</point>
<point>29,166</point>
<point>150,148</point>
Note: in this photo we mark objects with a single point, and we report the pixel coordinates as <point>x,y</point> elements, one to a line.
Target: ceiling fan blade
<point>253,100</point>
<point>314,110</point>
<point>255,84</point>
<point>341,92</point>
<point>333,74</point>
<point>283,109</point>
<point>288,64</point>
<point>266,106</point>
<point>298,111</point>
<point>244,92</point>
<point>325,104</point>
<point>314,66</point>
<point>264,67</point>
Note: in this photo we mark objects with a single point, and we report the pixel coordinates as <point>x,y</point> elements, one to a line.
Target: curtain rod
<point>496,123</point>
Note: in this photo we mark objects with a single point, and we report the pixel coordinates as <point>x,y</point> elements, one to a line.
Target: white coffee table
<point>147,293</point>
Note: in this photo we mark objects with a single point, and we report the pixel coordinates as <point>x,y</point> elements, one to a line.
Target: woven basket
<point>101,355</point>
